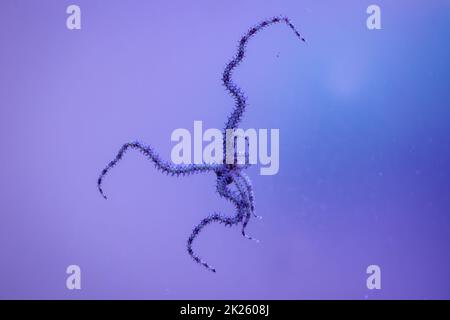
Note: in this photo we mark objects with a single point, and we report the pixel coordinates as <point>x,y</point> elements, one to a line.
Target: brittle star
<point>228,174</point>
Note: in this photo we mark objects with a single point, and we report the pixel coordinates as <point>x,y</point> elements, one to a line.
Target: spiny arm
<point>227,221</point>
<point>235,91</point>
<point>160,164</point>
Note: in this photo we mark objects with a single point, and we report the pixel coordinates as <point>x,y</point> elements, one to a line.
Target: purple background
<point>365,149</point>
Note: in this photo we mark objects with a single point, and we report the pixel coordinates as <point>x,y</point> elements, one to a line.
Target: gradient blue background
<point>365,149</point>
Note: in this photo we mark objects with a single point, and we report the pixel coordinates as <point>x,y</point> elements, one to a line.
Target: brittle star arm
<point>247,205</point>
<point>227,221</point>
<point>238,95</point>
<point>250,192</point>
<point>241,204</point>
<point>160,164</point>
